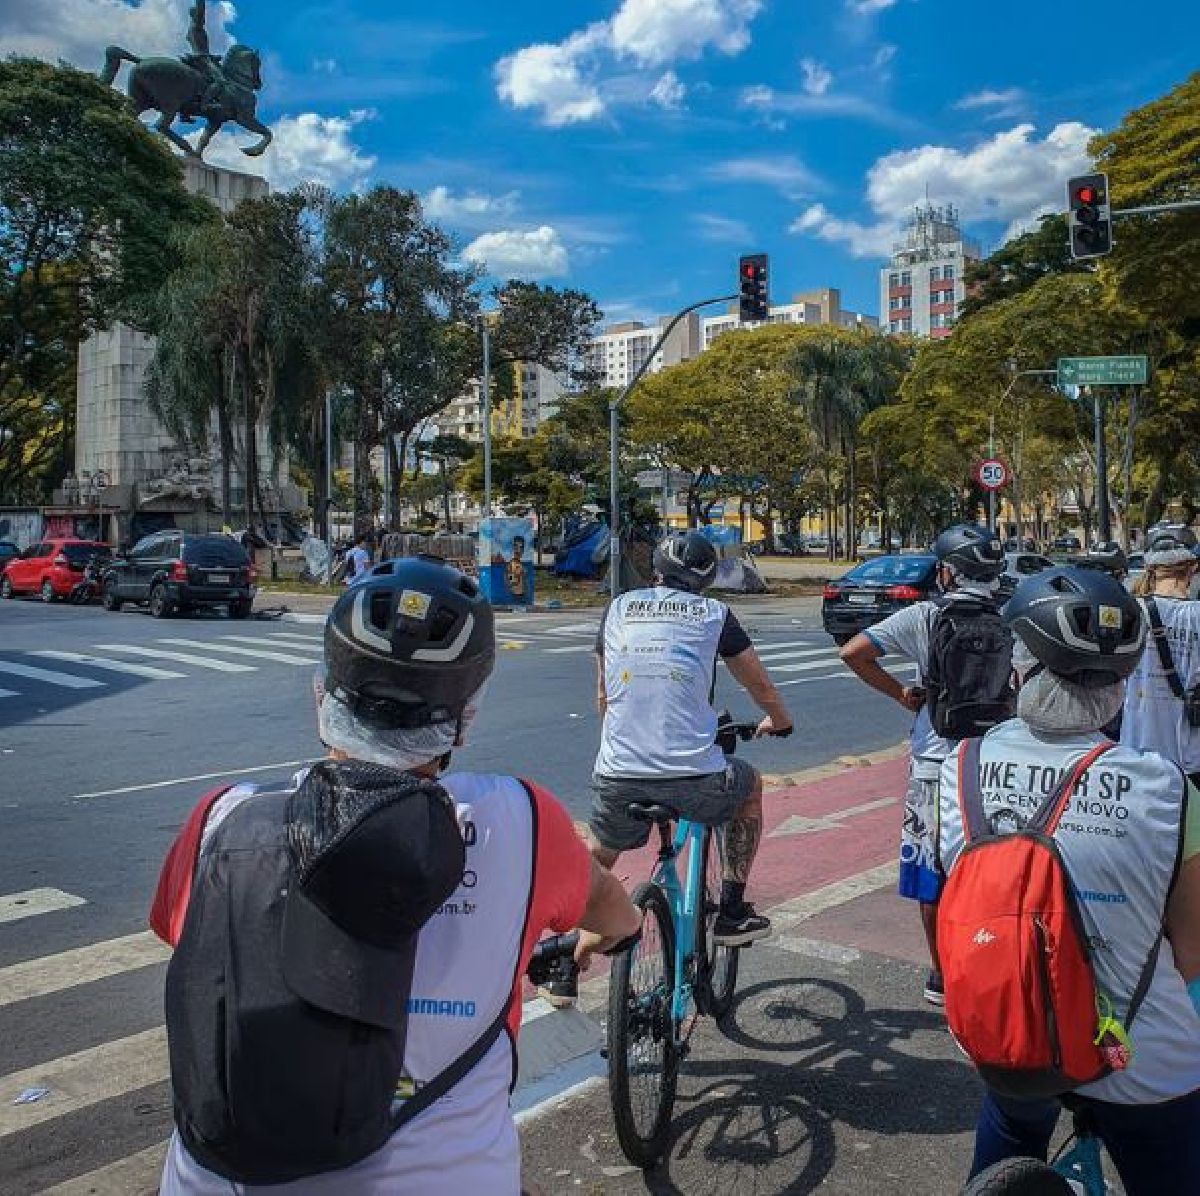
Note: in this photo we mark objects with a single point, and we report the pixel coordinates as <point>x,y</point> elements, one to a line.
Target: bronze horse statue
<point>198,86</point>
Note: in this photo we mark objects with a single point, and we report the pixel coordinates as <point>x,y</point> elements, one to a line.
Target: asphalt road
<point>111,726</point>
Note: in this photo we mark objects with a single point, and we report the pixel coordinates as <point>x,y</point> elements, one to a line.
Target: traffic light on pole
<point>1088,216</point>
<point>753,292</point>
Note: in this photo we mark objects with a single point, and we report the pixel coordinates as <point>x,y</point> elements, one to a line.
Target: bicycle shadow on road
<point>817,1079</point>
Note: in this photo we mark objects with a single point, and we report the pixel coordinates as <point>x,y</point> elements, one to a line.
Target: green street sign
<point>1103,371</point>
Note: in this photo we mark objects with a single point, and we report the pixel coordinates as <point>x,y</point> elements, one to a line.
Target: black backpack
<point>968,676</point>
<point>267,1088</point>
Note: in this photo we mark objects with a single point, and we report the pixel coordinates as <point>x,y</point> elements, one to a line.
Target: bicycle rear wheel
<point>1019,1177</point>
<point>643,1058</point>
<point>716,966</point>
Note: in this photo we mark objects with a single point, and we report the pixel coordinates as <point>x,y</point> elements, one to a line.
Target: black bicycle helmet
<point>1082,624</point>
<point>971,550</point>
<point>687,561</point>
<point>410,644</point>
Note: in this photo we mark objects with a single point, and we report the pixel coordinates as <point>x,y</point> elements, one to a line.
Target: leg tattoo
<point>742,837</point>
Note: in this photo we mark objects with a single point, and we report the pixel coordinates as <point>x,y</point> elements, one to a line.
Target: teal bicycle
<point>1076,1170</point>
<point>675,973</point>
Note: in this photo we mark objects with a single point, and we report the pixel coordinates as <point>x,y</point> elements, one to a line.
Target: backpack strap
<point>1046,816</point>
<point>970,793</point>
<point>1158,633</point>
<point>427,1094</point>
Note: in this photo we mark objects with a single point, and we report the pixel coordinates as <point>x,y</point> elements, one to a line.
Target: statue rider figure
<point>206,64</point>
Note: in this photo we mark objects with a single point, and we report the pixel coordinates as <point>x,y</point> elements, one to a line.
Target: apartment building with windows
<point>923,286</point>
<point>617,354</point>
<point>534,395</point>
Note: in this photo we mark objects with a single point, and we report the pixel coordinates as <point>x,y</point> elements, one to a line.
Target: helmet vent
<point>381,608</point>
<point>468,587</point>
<point>442,625</point>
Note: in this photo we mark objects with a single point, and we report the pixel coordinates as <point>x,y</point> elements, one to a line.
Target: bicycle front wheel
<point>643,1057</point>
<point>717,966</point>
<point>1019,1177</point>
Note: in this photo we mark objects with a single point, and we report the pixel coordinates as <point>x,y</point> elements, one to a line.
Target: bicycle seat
<point>649,812</point>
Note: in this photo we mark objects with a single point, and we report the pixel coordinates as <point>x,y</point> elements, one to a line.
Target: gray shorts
<point>711,799</point>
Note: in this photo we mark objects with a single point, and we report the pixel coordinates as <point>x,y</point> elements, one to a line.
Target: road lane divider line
<point>32,902</point>
<point>254,653</point>
<point>83,1080</point>
<point>308,646</point>
<point>49,677</point>
<point>569,648</point>
<point>201,662</point>
<point>82,965</point>
<point>135,1175</point>
<point>116,666</point>
<point>204,776</point>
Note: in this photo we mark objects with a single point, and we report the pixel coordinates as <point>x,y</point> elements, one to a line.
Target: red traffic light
<point>748,270</point>
<point>1086,195</point>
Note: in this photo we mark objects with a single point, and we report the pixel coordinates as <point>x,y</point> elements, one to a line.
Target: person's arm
<point>751,674</point>
<point>861,656</point>
<point>601,695</point>
<point>609,912</point>
<point>1183,907</point>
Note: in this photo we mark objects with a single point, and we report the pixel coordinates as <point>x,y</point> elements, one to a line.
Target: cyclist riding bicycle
<point>410,899</point>
<point>657,652</point>
<point>1129,840</point>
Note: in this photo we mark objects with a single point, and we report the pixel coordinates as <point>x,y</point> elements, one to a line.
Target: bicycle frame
<point>684,901</point>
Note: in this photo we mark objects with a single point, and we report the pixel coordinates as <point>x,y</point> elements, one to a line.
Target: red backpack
<point>1021,995</point>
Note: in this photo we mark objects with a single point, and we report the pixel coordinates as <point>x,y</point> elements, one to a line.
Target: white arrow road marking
<point>800,824</point>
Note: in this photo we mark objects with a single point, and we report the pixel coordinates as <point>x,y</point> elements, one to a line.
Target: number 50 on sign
<point>991,474</point>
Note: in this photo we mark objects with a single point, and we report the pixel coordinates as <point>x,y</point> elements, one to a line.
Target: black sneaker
<point>935,991</point>
<point>560,987</point>
<point>740,928</point>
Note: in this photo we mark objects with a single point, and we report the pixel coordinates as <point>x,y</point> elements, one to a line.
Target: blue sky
<point>635,147</point>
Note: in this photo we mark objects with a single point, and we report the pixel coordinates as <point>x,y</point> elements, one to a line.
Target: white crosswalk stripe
<point>49,676</point>
<point>113,666</point>
<point>256,653</point>
<point>290,646</point>
<point>292,638</point>
<point>201,662</point>
<point>82,965</point>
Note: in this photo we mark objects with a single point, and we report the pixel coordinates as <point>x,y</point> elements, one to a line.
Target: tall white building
<point>923,287</point>
<point>620,351</point>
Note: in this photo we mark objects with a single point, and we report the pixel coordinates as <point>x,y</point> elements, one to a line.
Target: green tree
<point>1020,263</point>
<point>89,201</point>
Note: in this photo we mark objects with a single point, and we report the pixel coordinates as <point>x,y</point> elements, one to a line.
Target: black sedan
<point>875,589</point>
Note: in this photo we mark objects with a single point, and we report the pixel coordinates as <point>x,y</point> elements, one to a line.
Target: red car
<point>52,568</point>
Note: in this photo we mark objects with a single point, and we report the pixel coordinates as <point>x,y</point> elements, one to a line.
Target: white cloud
<point>817,77</point>
<point>784,172</point>
<point>771,104</point>
<point>722,230</point>
<point>867,8</point>
<point>78,30</point>
<point>516,253</point>
<point>468,207</point>
<point>325,66</point>
<point>661,31</point>
<point>550,77</point>
<point>572,81</point>
<point>307,149</point>
<point>993,104</point>
<point>669,92</point>
<point>1010,178</point>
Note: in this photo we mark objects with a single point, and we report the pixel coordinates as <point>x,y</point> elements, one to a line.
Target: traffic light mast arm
<point>614,468</point>
<point>1182,205</point>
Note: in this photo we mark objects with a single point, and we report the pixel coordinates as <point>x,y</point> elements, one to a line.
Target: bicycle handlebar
<point>548,952</point>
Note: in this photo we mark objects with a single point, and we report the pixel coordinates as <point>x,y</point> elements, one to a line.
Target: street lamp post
<point>614,426</point>
<point>485,398</point>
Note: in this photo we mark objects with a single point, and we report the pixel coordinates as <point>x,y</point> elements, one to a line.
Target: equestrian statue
<point>197,87</point>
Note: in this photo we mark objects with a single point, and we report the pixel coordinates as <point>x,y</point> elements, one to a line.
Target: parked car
<point>8,551</point>
<point>1066,544</point>
<point>1018,566</point>
<point>174,571</point>
<point>875,589</point>
<point>1028,544</point>
<point>51,569</point>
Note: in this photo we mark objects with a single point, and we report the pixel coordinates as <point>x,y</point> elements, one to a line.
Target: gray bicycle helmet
<point>410,644</point>
<point>687,561</point>
<point>971,550</point>
<point>1082,624</point>
<point>1170,546</point>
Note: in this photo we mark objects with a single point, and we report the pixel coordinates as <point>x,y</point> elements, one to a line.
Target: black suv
<point>172,571</point>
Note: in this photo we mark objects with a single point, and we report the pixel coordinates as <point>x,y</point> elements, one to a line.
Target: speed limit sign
<point>991,474</point>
